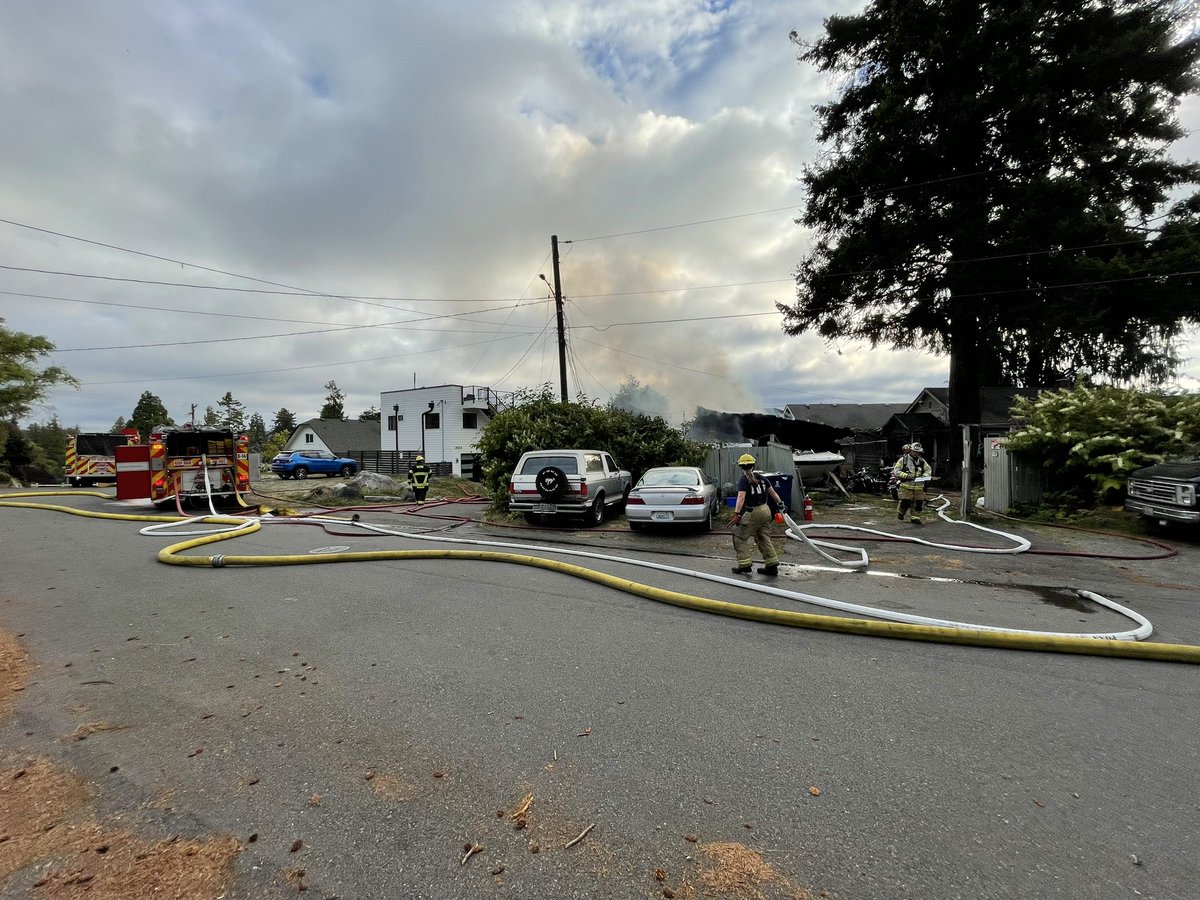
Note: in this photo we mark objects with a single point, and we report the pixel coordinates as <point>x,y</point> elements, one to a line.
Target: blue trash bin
<point>783,487</point>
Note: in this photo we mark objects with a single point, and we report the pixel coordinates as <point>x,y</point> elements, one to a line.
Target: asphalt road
<point>461,687</point>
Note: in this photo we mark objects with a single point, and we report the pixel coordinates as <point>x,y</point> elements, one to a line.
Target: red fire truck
<point>91,456</point>
<point>190,465</point>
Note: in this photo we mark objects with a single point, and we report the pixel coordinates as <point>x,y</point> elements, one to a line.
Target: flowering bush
<point>1089,439</point>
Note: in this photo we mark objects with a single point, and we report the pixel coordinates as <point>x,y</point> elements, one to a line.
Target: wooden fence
<point>389,462</point>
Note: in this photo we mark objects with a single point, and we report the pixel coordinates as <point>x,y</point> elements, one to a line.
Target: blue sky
<point>414,158</point>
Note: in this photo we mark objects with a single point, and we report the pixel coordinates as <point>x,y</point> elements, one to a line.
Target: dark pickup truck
<point>1167,492</point>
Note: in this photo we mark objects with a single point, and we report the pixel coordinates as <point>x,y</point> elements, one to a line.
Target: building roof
<point>914,423</point>
<point>995,403</point>
<point>855,416</point>
<point>340,435</point>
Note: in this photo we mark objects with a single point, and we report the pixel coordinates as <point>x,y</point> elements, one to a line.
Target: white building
<point>442,422</point>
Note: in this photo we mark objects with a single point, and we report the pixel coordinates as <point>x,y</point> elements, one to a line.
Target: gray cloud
<point>418,151</point>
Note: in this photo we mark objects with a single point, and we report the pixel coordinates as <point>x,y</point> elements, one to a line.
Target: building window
<point>470,420</point>
<point>308,437</point>
<point>392,422</point>
<point>433,420</point>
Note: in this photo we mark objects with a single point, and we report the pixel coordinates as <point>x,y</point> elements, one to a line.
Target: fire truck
<point>190,466</point>
<point>91,457</point>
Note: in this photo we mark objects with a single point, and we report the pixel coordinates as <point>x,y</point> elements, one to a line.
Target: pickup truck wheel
<point>595,515</point>
<point>551,482</point>
<point>347,471</point>
<point>301,472</point>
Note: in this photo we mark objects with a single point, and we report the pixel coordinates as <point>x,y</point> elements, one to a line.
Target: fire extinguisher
<point>807,508</point>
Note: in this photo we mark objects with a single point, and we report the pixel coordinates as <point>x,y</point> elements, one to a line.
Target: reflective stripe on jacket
<point>418,475</point>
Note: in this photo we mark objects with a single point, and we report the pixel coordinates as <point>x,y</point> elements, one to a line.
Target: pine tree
<point>334,402</point>
<point>256,432</point>
<point>233,413</point>
<point>990,184</point>
<point>149,414</point>
<point>285,421</point>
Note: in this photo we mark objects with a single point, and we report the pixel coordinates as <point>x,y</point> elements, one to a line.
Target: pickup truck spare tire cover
<point>551,482</point>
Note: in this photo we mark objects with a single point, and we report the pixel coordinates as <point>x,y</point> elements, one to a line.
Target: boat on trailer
<point>813,463</point>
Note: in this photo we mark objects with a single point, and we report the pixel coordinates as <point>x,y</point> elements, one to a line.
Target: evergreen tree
<point>149,414</point>
<point>118,426</point>
<point>285,422</point>
<point>22,384</point>
<point>51,441</point>
<point>334,400</point>
<point>256,431</point>
<point>233,413</point>
<point>990,188</point>
<point>17,452</point>
<point>211,418</point>
<point>369,415</point>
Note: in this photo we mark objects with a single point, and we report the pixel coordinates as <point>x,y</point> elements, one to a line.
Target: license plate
<point>546,509</point>
<point>662,516</point>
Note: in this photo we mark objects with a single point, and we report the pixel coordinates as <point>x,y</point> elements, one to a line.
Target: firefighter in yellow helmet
<point>757,505</point>
<point>418,478</point>
<point>913,472</point>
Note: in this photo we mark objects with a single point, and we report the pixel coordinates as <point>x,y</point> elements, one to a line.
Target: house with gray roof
<point>338,436</point>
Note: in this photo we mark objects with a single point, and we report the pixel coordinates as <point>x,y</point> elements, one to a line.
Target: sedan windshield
<point>665,477</point>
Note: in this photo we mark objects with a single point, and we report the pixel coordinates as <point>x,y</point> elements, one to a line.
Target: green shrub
<point>539,421</point>
<point>1089,439</point>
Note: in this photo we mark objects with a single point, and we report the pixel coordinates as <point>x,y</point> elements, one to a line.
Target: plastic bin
<point>783,487</point>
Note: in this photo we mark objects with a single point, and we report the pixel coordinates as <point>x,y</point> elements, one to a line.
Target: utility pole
<point>558,309</point>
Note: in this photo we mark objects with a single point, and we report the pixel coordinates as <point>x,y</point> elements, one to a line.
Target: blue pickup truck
<point>302,463</point>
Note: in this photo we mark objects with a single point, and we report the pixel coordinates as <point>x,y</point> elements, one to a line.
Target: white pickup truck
<point>549,483</point>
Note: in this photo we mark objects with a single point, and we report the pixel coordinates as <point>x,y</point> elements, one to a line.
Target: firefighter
<point>909,467</point>
<point>757,504</point>
<point>418,478</point>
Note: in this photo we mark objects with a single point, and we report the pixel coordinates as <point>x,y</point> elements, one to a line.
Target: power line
<point>260,337</point>
<point>195,312</point>
<point>604,237</point>
<point>656,361</point>
<point>237,290</point>
<point>328,365</point>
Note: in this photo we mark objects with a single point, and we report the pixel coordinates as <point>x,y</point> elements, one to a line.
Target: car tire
<point>347,471</point>
<point>301,472</point>
<point>707,524</point>
<point>551,483</point>
<point>595,515</point>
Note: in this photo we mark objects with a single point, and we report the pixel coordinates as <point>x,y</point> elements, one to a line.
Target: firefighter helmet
<point>746,460</point>
<point>917,448</point>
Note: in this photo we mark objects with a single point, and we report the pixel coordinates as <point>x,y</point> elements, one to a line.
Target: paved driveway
<point>388,714</point>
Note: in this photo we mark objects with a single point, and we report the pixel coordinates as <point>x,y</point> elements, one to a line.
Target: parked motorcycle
<point>866,482</point>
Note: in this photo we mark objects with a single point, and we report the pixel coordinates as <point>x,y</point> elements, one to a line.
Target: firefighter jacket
<point>909,467</point>
<point>418,475</point>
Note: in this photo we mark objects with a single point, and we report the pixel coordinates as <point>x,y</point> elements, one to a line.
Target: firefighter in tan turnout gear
<point>418,477</point>
<point>756,506</point>
<point>913,472</point>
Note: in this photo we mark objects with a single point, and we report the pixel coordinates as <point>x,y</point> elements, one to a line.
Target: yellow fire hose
<point>1180,653</point>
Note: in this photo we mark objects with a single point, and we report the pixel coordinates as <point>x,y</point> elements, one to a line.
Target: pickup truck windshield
<point>535,464</point>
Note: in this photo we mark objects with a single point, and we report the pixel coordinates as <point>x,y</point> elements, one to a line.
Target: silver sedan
<point>673,495</point>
